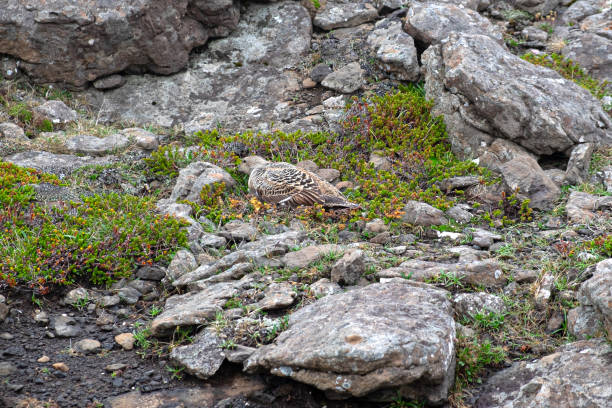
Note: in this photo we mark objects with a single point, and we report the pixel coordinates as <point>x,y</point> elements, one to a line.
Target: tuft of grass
<point>472,359</point>
<point>101,239</point>
<point>572,71</point>
<point>21,113</point>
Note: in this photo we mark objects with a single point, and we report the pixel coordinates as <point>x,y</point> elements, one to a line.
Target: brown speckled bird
<point>283,183</point>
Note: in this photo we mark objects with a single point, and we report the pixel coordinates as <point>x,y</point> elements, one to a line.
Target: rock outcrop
<point>73,43</point>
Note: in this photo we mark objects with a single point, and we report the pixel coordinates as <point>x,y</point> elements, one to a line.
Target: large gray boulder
<point>484,91</point>
<point>590,43</point>
<point>432,22</point>
<point>576,376</point>
<point>241,76</point>
<point>73,43</point>
<point>387,336</point>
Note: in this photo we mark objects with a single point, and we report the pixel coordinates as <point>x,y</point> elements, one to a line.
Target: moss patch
<point>100,239</point>
<point>572,71</point>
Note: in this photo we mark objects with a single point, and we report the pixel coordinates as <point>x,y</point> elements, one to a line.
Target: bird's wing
<point>292,185</point>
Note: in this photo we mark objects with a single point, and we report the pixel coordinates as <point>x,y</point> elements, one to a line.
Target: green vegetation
<point>398,126</point>
<point>547,27</point>
<point>473,358</point>
<point>572,71</point>
<point>21,113</point>
<point>101,239</point>
<point>602,245</point>
<point>316,4</point>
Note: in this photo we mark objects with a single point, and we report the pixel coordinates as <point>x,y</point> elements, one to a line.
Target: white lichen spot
<point>286,371</point>
<point>91,41</point>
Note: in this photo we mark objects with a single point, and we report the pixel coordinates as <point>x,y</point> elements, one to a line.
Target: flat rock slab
<point>431,22</point>
<point>96,146</point>
<point>576,376</point>
<point>485,272</point>
<point>308,255</point>
<point>386,335</point>
<point>193,308</point>
<point>201,358</point>
<point>241,76</point>
<point>59,164</point>
<point>582,207</point>
<point>337,15</point>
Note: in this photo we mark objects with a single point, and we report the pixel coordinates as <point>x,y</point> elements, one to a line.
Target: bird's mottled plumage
<point>283,183</point>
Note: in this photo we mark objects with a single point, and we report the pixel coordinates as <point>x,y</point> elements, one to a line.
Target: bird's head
<point>250,162</point>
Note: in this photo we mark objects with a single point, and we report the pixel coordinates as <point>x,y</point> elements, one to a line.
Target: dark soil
<point>144,382</point>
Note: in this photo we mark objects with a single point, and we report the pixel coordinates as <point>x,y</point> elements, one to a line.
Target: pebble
<point>61,367</point>
<point>6,336</point>
<point>44,359</point>
<point>125,340</point>
<point>87,345</point>
<point>115,367</point>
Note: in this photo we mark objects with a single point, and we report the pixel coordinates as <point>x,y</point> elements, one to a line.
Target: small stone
<point>278,296</point>
<point>334,102</point>
<point>2,299</point>
<point>329,175</point>
<point>66,326</point>
<point>153,273</point>
<point>308,83</point>
<point>349,269</point>
<point>319,72</point>
<point>376,226</point>
<point>87,346</point>
<point>55,111</point>
<point>143,286</point>
<point>125,340</point>
<point>483,238</point>
<point>544,290</point>
<point>4,311</point>
<point>380,162</point>
<point>344,185</point>
<point>115,367</point>
<point>324,287</point>
<point>41,317</point>
<point>6,369</point>
<point>382,238</point>
<point>10,130</point>
<point>109,82</point>
<point>108,301</point>
<point>129,295</point>
<point>43,359</point>
<point>423,214</point>
<point>346,80</point>
<point>142,138</point>
<point>6,336</point>
<point>61,367</point>
<point>77,296</point>
<point>308,165</point>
